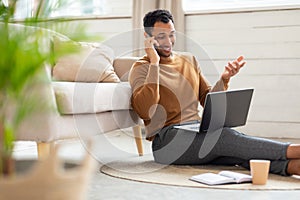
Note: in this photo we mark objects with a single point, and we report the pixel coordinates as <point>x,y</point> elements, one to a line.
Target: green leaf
<point>9,138</point>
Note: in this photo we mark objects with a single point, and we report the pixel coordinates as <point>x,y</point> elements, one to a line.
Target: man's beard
<point>162,51</point>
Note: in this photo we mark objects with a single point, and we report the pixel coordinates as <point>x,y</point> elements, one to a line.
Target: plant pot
<point>8,166</point>
<point>48,179</point>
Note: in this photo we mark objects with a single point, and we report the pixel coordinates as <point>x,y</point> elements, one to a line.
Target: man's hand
<point>152,54</point>
<point>232,68</point>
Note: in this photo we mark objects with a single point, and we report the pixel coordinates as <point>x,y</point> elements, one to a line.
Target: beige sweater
<point>169,93</point>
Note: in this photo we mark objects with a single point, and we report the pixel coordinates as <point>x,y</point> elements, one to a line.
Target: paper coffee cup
<point>259,171</point>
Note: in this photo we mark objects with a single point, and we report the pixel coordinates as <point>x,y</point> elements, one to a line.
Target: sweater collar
<point>166,60</point>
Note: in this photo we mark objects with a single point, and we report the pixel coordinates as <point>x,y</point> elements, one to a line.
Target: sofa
<point>83,104</point>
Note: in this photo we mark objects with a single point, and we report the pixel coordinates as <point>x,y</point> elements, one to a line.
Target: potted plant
<point>23,59</point>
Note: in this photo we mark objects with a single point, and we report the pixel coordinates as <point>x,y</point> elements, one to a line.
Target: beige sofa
<point>82,109</point>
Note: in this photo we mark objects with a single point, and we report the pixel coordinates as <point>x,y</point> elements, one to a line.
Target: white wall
<point>115,32</point>
<point>270,41</point>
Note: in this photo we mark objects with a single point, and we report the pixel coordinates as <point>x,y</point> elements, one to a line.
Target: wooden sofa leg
<point>138,139</point>
<point>43,149</point>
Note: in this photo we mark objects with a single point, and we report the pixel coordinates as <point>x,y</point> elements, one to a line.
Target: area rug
<point>144,169</point>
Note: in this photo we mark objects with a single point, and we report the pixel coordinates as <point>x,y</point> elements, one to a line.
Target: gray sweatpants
<point>221,147</point>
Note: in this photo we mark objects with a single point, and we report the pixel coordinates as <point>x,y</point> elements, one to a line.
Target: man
<point>167,87</point>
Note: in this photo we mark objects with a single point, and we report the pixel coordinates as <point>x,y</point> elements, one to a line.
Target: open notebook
<point>223,177</point>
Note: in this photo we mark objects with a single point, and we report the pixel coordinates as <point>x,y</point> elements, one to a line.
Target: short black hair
<point>156,16</point>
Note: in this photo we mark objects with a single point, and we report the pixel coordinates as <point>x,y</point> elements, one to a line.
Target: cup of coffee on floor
<point>259,171</point>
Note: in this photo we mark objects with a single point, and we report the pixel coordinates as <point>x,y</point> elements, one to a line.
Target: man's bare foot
<point>294,167</point>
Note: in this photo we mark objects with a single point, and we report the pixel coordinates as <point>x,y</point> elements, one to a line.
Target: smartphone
<point>155,46</point>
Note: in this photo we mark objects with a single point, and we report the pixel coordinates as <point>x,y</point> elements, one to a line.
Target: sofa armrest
<point>40,125</point>
<point>122,66</point>
<point>39,91</point>
<point>46,91</point>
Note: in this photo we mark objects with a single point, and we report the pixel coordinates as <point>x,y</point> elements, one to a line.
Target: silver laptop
<point>223,109</point>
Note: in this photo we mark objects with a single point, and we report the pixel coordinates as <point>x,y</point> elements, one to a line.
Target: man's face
<point>164,33</point>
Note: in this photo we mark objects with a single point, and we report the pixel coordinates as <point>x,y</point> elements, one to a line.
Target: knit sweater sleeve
<point>205,87</point>
<point>144,81</point>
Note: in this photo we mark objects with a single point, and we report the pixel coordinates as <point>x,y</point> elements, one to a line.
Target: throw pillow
<point>93,63</point>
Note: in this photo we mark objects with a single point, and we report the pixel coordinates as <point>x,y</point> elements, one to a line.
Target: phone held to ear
<point>155,46</point>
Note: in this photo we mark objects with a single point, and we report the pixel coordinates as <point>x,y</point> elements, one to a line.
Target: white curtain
<point>141,7</point>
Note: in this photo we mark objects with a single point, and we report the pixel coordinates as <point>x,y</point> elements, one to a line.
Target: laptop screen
<point>226,109</point>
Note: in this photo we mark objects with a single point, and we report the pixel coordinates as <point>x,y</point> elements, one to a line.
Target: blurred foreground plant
<point>24,53</point>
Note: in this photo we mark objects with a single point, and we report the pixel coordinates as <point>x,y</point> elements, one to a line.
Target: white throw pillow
<point>93,63</point>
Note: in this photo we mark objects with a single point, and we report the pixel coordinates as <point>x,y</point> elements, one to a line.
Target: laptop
<point>223,109</point>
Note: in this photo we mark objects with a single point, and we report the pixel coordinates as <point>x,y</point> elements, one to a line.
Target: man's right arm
<point>144,81</point>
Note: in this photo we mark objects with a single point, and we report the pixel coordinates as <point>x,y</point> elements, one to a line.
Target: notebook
<point>223,177</point>
<point>223,109</point>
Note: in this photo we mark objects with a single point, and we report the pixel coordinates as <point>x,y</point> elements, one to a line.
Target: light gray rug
<point>144,169</point>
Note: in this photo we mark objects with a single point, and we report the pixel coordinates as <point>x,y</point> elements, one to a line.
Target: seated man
<point>167,87</point>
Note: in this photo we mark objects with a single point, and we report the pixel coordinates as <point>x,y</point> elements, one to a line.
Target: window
<point>194,5</point>
<point>23,8</point>
<point>76,8</point>
<point>95,7</point>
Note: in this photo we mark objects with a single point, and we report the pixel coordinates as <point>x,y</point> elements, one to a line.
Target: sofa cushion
<point>87,98</point>
<point>92,63</point>
<point>122,66</point>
